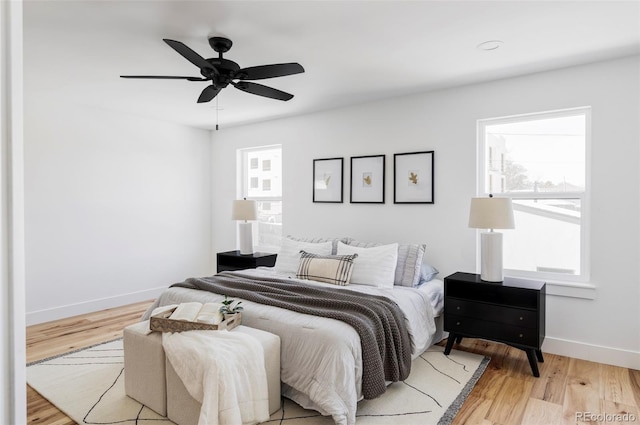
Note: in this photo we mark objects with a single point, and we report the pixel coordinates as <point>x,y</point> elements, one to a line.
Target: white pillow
<point>410,258</point>
<point>288,258</point>
<point>317,240</point>
<point>375,266</point>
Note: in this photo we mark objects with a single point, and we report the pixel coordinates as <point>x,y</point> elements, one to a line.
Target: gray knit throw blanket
<point>386,344</point>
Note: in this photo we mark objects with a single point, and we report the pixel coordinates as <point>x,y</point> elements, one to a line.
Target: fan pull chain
<point>216,113</point>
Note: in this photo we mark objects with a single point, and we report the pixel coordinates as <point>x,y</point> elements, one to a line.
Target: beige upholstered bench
<point>150,379</point>
<point>144,367</point>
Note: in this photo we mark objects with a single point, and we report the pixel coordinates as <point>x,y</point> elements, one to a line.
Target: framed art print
<point>367,179</point>
<point>413,178</point>
<point>327,180</point>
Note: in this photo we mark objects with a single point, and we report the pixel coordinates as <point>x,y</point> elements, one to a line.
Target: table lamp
<point>491,213</point>
<point>245,211</point>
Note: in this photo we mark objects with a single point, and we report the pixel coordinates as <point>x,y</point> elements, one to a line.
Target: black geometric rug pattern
<point>88,385</point>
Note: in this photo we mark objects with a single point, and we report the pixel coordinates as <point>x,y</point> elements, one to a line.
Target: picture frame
<point>328,176</point>
<point>413,178</point>
<point>367,179</point>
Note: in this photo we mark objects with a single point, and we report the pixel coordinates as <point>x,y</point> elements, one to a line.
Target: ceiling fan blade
<point>165,77</point>
<point>269,71</point>
<point>260,90</point>
<point>190,55</point>
<point>208,93</point>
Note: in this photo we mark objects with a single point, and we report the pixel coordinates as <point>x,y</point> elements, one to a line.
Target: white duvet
<point>321,358</point>
<point>224,371</point>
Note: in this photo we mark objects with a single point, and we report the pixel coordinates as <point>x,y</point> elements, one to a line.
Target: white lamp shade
<point>491,213</point>
<point>244,210</point>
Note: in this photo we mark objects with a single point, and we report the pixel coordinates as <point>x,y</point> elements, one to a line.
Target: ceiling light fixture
<point>490,45</point>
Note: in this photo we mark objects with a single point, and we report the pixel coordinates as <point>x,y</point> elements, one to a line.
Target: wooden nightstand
<point>511,312</point>
<point>233,260</point>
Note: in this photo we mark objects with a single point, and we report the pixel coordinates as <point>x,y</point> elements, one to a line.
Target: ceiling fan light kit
<point>222,72</point>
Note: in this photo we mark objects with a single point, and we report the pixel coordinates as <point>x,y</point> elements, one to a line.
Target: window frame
<point>583,196</point>
<point>244,184</point>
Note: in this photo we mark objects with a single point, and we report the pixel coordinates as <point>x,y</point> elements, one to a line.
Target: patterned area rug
<point>88,385</point>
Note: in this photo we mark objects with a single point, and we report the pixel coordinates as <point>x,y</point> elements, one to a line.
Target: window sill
<point>560,288</point>
<point>571,289</point>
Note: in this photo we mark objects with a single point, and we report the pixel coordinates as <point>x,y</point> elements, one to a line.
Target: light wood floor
<point>53,338</point>
<point>506,393</point>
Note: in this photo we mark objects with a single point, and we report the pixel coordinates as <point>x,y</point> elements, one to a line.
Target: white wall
<point>117,207</point>
<point>604,329</point>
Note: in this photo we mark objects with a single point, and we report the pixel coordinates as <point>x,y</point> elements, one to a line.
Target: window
<point>540,161</point>
<point>264,185</point>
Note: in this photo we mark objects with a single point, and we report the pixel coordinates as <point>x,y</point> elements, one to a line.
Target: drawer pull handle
<point>521,335</point>
<point>458,308</point>
<point>457,323</point>
<point>521,318</point>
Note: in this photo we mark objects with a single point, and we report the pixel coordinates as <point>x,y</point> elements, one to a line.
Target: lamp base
<point>491,257</point>
<point>246,238</point>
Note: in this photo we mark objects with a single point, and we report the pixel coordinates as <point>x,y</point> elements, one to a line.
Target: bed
<point>322,358</point>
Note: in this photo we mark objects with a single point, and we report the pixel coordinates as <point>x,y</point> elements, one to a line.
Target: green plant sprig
<point>228,307</point>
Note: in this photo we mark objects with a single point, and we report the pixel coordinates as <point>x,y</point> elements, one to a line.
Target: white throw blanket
<point>224,371</point>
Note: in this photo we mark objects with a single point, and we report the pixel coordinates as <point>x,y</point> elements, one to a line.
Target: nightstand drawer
<point>485,329</point>
<point>492,312</point>
<point>233,260</point>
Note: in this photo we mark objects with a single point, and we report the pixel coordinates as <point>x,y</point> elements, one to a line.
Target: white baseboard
<point>594,353</point>
<point>62,312</point>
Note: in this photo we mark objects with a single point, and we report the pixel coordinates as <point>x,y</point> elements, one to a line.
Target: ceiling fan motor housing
<point>227,70</point>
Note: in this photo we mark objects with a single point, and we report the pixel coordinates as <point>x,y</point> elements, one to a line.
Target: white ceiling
<point>352,51</point>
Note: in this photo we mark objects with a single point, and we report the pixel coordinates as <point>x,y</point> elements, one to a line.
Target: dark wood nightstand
<point>233,260</point>
<point>511,312</point>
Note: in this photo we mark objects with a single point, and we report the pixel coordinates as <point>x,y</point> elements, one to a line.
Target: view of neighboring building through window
<point>261,180</point>
<point>540,161</point>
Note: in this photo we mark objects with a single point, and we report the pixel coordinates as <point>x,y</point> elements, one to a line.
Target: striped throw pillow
<point>334,269</point>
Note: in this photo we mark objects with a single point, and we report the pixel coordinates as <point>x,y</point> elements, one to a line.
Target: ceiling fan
<point>222,72</point>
